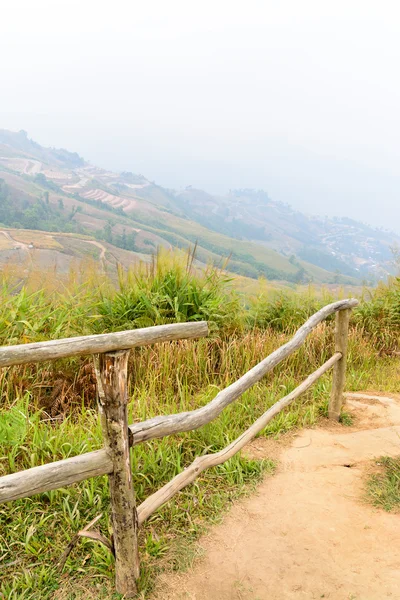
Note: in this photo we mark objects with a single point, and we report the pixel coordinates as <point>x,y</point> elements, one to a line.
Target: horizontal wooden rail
<point>201,463</point>
<point>97,344</point>
<point>54,475</point>
<point>72,470</point>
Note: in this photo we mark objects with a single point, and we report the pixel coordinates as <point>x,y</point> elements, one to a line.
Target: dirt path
<point>103,251</point>
<point>306,533</point>
<point>102,248</point>
<point>15,242</point>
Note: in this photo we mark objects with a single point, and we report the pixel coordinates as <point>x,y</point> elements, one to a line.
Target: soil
<point>307,533</point>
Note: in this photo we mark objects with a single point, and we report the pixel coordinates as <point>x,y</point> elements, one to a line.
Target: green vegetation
<point>48,411</point>
<point>244,258</point>
<point>383,488</point>
<point>236,228</point>
<point>126,241</point>
<point>326,261</point>
<point>379,314</point>
<point>167,292</point>
<point>20,212</point>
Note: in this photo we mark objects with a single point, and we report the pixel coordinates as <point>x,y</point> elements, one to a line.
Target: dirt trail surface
<point>102,249</point>
<point>14,242</point>
<point>306,533</point>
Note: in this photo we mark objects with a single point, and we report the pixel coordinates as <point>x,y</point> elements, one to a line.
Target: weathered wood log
<point>54,475</point>
<point>72,470</point>
<point>339,372</point>
<point>96,344</point>
<point>200,464</point>
<point>113,367</point>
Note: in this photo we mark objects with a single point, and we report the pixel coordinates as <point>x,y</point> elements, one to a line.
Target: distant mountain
<point>56,190</point>
<point>19,142</point>
<point>335,244</point>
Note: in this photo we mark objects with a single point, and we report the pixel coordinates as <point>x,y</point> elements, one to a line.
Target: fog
<point>300,98</point>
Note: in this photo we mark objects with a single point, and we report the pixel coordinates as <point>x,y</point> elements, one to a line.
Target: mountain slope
<point>260,236</point>
<point>141,230</point>
<point>336,244</point>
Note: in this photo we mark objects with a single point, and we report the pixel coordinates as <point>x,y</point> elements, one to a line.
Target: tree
<point>73,212</point>
<point>108,236</point>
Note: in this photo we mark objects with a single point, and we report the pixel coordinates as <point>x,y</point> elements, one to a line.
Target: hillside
<point>335,244</point>
<point>57,191</point>
<point>28,254</point>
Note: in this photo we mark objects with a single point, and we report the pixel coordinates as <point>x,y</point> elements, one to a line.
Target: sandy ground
<point>306,533</point>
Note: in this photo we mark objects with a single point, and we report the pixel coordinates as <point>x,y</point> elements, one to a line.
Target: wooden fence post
<point>111,369</point>
<point>339,370</point>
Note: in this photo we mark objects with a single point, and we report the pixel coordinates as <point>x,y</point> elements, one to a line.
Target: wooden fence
<point>111,361</point>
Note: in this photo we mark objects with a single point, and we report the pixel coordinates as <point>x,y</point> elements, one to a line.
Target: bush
<point>378,314</point>
<point>284,311</point>
<point>169,290</point>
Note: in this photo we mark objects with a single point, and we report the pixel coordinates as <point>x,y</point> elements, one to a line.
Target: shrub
<point>378,314</point>
<point>170,289</point>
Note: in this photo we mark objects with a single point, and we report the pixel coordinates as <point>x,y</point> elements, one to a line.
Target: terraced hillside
<point>130,212</point>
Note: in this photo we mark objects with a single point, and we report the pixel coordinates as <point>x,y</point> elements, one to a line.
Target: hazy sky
<point>301,98</point>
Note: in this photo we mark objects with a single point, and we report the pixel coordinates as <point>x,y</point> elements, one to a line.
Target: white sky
<point>300,97</point>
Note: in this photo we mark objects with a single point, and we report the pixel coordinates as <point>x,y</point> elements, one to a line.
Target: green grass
<point>383,488</point>
<point>163,379</point>
<point>36,530</point>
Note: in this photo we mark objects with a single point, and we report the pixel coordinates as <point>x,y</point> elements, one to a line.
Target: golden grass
<point>39,239</point>
<point>5,243</point>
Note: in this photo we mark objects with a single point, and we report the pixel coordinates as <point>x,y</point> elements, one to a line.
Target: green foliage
<point>285,311</point>
<point>346,419</point>
<point>238,260</point>
<point>14,423</point>
<point>20,212</point>
<point>326,261</point>
<point>42,180</point>
<point>169,290</point>
<point>383,488</point>
<point>379,314</point>
<point>34,316</point>
<point>126,241</point>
